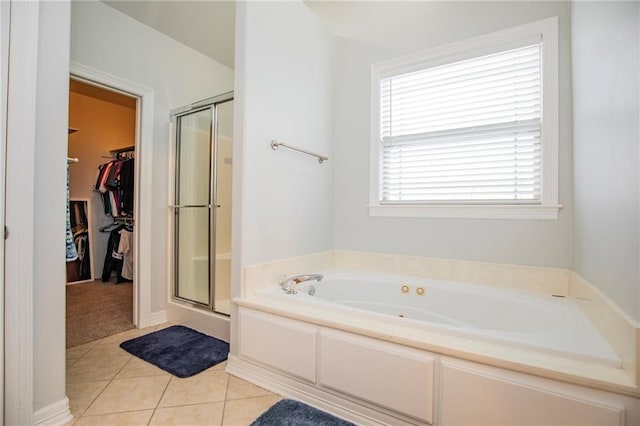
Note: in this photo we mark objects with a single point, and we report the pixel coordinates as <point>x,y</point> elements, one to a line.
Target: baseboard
<point>157,318</point>
<point>341,406</point>
<point>80,282</point>
<point>55,414</point>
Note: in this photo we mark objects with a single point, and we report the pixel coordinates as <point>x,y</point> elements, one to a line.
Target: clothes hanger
<point>110,227</point>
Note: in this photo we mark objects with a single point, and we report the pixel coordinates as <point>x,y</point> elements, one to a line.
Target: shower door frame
<point>209,103</point>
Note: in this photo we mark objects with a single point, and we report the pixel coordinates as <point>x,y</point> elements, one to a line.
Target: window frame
<point>548,207</point>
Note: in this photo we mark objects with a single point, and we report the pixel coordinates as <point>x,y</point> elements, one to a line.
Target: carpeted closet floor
<point>96,310</point>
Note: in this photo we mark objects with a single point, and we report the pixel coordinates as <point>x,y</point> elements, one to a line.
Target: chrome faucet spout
<point>288,285</point>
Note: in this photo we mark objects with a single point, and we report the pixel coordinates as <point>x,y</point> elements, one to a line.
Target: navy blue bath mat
<point>179,350</point>
<point>293,413</point>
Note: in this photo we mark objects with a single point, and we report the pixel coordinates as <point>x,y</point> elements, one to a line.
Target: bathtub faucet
<point>289,284</point>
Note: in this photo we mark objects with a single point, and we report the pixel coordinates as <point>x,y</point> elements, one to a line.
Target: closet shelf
<point>125,149</point>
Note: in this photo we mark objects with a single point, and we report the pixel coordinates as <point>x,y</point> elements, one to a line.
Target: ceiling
<point>102,94</point>
<point>208,26</point>
<point>205,26</point>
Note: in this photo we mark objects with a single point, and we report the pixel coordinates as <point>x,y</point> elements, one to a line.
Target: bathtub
<point>550,324</point>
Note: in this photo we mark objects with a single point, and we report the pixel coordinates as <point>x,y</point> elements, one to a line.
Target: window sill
<point>518,212</point>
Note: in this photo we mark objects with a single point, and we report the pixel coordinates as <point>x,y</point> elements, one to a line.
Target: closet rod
<point>125,149</point>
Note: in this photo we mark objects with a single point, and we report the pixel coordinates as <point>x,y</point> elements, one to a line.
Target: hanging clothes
<point>113,259</point>
<point>114,180</point>
<point>126,181</point>
<point>82,244</point>
<point>125,247</point>
<point>72,252</point>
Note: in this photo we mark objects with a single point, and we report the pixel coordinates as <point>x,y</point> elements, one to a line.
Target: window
<point>469,130</point>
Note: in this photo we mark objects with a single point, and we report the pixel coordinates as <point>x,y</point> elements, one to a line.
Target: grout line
<point>224,404</point>
<point>190,404</point>
<point>160,399</point>
<point>117,412</point>
<point>103,389</point>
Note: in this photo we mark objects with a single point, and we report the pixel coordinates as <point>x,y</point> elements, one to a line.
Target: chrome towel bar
<point>275,144</point>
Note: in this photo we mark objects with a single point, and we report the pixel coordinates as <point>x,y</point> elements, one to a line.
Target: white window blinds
<point>464,132</point>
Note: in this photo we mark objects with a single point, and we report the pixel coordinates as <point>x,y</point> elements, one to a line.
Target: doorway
<point>202,204</point>
<point>101,216</point>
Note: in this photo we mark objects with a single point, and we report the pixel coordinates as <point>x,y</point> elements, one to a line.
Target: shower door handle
<point>182,206</point>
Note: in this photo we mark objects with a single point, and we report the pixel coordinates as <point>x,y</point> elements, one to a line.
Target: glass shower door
<point>193,206</point>
<point>223,173</point>
<point>202,203</point>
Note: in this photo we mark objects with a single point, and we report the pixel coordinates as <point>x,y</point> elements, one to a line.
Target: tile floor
<point>108,386</point>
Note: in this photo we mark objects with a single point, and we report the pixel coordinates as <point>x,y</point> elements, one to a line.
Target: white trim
<point>467,211</point>
<point>143,178</point>
<point>81,282</point>
<point>550,104</point>
<point>321,398</point>
<point>157,318</point>
<point>549,206</point>
<point>54,414</point>
<point>19,254</point>
<point>5,10</point>
<point>638,232</point>
<point>549,387</point>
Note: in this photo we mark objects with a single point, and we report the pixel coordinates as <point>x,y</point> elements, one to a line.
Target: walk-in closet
<point>101,258</point>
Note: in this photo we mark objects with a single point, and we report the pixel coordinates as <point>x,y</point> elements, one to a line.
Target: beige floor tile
<point>133,418</point>
<point>137,367</point>
<point>122,395</point>
<point>241,412</point>
<point>82,394</point>
<point>128,335</point>
<point>106,349</point>
<point>204,387</point>
<point>199,414</point>
<point>98,368</point>
<point>218,367</point>
<point>239,389</point>
<point>163,325</point>
<point>79,351</point>
<point>70,361</point>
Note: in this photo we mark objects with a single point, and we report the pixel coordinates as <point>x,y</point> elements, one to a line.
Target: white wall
<point>386,30</point>
<point>606,70</point>
<point>283,85</point>
<point>112,42</point>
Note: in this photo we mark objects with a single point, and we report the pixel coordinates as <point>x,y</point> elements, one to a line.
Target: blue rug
<point>293,413</point>
<point>179,350</point>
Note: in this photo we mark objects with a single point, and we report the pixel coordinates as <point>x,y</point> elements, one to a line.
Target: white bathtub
<point>526,319</point>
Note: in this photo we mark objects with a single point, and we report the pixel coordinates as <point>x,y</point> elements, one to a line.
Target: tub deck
<point>518,318</point>
<point>573,352</point>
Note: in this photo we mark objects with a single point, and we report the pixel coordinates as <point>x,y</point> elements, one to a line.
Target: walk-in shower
<point>202,203</point>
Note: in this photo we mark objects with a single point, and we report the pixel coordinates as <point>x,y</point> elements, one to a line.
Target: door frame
<point>5,24</point>
<point>19,212</point>
<point>142,315</point>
